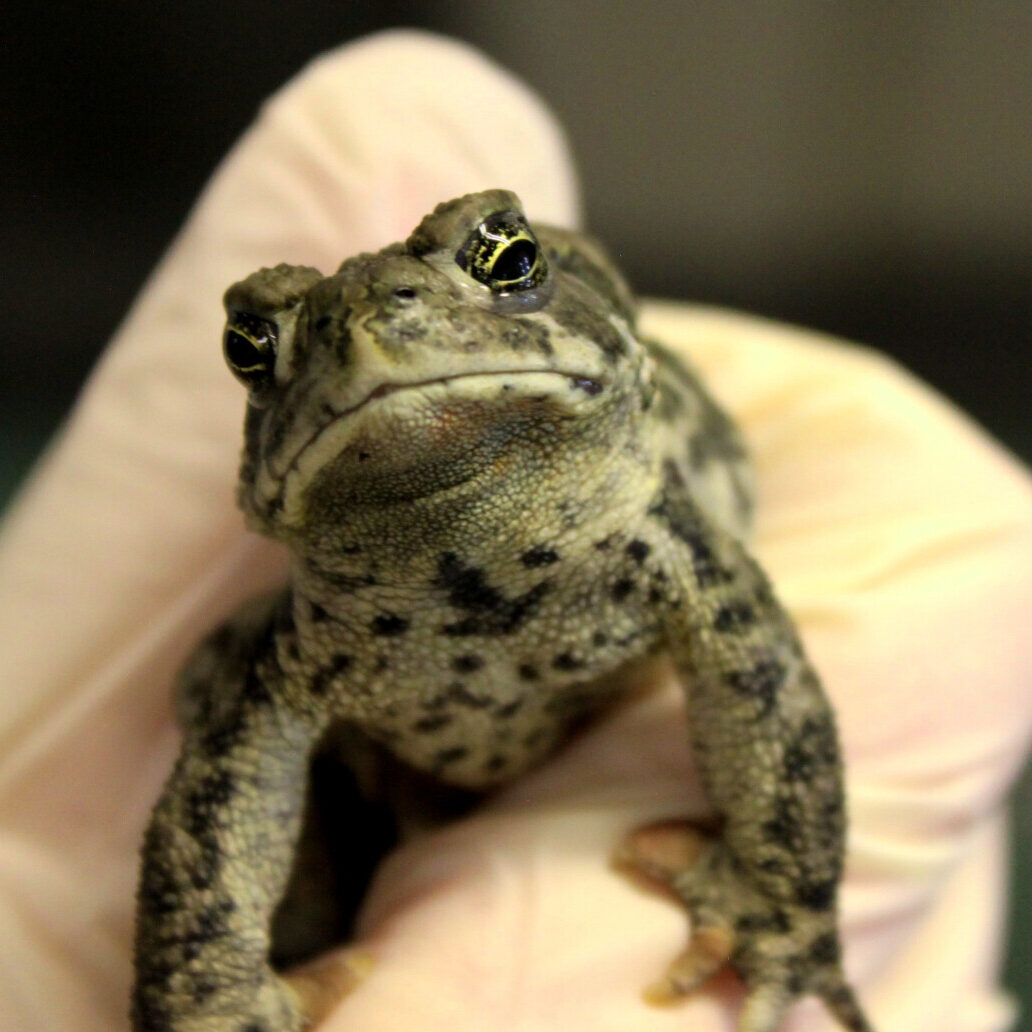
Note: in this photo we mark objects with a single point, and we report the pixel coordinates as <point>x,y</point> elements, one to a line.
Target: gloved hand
<point>898,534</point>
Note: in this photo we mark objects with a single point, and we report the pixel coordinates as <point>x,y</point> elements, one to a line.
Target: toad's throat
<point>588,385</point>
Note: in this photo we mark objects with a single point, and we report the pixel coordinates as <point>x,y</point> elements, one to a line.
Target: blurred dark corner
<point>860,168</point>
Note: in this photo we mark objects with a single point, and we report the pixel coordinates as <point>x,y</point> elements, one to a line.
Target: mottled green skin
<point>494,503</point>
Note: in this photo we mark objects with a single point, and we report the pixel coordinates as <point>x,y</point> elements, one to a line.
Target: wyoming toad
<point>496,496</point>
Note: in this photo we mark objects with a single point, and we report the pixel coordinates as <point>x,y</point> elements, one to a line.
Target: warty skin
<point>496,497</point>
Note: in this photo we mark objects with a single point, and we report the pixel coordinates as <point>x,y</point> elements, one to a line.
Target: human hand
<point>899,536</point>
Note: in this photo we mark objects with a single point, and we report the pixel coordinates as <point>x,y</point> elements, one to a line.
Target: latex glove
<point>898,534</point>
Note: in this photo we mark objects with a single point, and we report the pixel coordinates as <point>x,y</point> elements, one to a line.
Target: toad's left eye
<point>503,254</point>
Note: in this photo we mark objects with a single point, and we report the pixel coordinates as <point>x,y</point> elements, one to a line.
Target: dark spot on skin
<point>491,613</point>
<point>567,661</point>
<point>599,638</point>
<point>201,990</point>
<point>206,799</point>
<point>799,762</point>
<point>211,923</point>
<point>816,895</point>
<point>539,556</point>
<point>453,755</point>
<point>704,563</point>
<point>495,763</point>
<point>325,677</point>
<point>467,664</point>
<point>534,738</point>
<point>777,921</point>
<point>762,683</point>
<point>675,507</point>
<point>734,616</point>
<point>795,983</point>
<point>322,323</point>
<point>206,866</point>
<point>466,585</point>
<point>655,595</point>
<point>524,335</point>
<point>382,664</point>
<point>254,1026</point>
<point>621,589</point>
<point>432,723</point>
<point>605,544</point>
<point>764,595</point>
<point>389,625</point>
<point>638,550</point>
<point>818,734</point>
<point>527,672</point>
<point>825,949</point>
<point>464,697</point>
<point>160,891</point>
<point>578,312</point>
<point>509,709</point>
<point>316,613</point>
<point>715,437</point>
<point>224,734</point>
<point>784,827</point>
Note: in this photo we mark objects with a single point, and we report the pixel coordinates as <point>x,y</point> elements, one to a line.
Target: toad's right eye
<point>249,345</point>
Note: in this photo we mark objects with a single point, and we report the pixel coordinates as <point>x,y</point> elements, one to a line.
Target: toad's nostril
<point>405,293</point>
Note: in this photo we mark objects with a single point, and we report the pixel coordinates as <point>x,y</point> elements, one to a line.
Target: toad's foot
<point>780,950</point>
<point>322,983</point>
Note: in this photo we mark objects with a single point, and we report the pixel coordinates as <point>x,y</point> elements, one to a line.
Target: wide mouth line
<point>589,384</point>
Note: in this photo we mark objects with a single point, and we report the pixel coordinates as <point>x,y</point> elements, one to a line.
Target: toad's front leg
<point>762,895</point>
<point>217,856</point>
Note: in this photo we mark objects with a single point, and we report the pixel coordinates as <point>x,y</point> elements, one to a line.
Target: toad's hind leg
<point>778,950</point>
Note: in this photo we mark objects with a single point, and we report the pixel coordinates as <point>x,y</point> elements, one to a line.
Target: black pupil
<point>240,351</point>
<point>516,262</point>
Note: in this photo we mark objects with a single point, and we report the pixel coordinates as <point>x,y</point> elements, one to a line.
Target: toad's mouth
<point>587,386</point>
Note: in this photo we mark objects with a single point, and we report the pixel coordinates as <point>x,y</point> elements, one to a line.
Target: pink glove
<point>899,535</point>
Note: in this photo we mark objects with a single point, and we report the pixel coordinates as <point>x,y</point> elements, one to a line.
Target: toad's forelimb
<point>762,896</point>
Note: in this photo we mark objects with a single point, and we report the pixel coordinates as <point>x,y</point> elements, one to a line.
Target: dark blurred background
<point>860,168</point>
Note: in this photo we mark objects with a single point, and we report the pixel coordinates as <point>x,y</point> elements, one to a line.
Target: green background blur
<point>860,168</point>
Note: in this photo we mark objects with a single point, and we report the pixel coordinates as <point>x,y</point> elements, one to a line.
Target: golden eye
<point>503,254</point>
<point>249,346</point>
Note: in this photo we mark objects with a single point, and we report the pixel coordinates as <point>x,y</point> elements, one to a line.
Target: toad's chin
<point>418,441</point>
